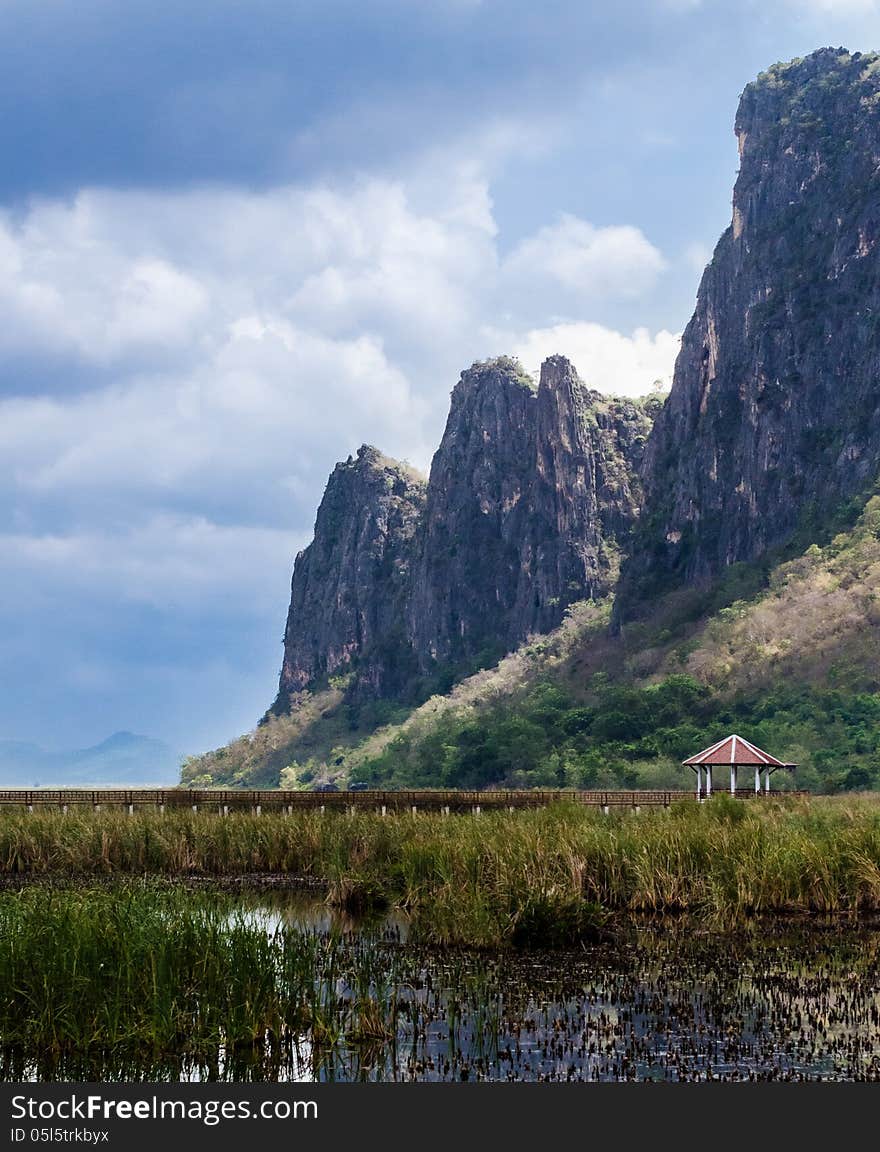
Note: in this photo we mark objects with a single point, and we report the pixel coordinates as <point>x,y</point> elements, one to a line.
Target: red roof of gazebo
<point>735,750</point>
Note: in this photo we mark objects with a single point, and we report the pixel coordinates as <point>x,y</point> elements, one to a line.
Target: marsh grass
<point>137,969</point>
<point>546,876</point>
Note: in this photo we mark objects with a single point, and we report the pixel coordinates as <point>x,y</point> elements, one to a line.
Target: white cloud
<point>608,361</point>
<point>252,339</point>
<point>110,273</point>
<point>587,263</point>
<point>261,409</point>
<point>68,285</point>
<point>841,7</point>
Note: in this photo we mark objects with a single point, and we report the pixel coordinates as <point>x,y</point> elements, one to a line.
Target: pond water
<point>662,1001</point>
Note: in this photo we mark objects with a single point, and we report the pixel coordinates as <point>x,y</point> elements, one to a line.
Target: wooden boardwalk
<point>272,800</point>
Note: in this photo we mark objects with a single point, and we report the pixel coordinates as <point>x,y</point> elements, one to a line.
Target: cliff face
<point>466,584</point>
<point>350,586</point>
<point>584,498</point>
<point>774,413</point>
<point>532,494</point>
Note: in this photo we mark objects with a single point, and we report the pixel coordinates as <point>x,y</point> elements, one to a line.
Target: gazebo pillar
<point>734,753</point>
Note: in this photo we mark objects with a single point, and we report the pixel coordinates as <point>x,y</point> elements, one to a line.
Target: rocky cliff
<point>351,585</point>
<point>532,494</point>
<point>774,414</point>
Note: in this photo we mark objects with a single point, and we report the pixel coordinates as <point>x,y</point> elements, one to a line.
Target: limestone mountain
<point>531,497</point>
<point>774,414</point>
<point>744,509</point>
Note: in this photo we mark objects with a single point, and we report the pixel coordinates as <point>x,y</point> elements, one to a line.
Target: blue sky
<point>239,240</point>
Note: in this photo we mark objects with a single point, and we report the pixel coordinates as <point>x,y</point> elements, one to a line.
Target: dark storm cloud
<point>135,93</point>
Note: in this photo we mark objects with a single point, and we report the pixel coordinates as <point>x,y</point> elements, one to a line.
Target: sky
<point>239,240</point>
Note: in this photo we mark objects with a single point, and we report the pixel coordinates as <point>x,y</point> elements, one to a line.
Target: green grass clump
<point>139,970</point>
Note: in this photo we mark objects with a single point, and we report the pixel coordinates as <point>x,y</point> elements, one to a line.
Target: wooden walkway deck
<point>226,800</point>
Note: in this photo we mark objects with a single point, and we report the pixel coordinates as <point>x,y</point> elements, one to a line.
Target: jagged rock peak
<point>351,584</point>
<point>531,495</point>
<point>774,414</point>
<point>499,371</point>
<point>532,491</point>
<point>559,372</point>
<point>369,458</point>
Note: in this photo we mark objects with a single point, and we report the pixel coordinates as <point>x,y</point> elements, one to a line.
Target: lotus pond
<point>150,982</point>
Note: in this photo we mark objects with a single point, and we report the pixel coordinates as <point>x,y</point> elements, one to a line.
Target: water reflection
<point>664,1001</point>
<point>275,910</point>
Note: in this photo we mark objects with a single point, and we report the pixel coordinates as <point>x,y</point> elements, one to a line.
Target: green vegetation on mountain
<point>787,655</point>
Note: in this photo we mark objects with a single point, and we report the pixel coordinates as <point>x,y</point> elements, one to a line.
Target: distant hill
<point>124,758</point>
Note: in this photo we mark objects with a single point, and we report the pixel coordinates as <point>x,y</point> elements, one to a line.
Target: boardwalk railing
<point>224,800</point>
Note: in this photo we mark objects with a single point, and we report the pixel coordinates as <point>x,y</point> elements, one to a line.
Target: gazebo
<point>734,752</point>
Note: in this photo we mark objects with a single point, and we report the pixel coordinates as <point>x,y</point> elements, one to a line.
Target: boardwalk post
<point>131,809</point>
<point>195,807</point>
<point>225,809</point>
<point>162,809</point>
<point>699,783</point>
<point>732,779</point>
<point>445,809</point>
<point>757,780</point>
<point>64,809</point>
<point>767,781</point>
<point>708,781</point>
<point>384,809</point>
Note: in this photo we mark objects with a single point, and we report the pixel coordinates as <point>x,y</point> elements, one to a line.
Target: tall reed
<point>551,874</point>
<point>169,971</point>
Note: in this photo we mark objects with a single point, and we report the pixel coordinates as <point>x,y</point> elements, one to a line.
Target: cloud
<point>584,262</point>
<point>608,361</point>
<point>165,561</point>
<point>836,7</point>
<point>203,357</point>
<point>247,341</point>
<point>258,413</point>
<point>68,285</point>
<point>821,7</point>
<point>108,272</point>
